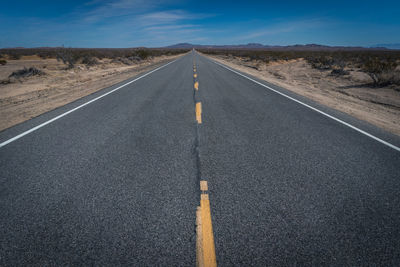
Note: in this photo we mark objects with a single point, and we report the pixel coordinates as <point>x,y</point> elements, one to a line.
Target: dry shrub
<point>90,61</point>
<point>74,54</point>
<point>388,78</point>
<point>123,60</point>
<point>339,72</point>
<point>382,65</point>
<point>5,81</point>
<point>382,71</point>
<point>25,72</point>
<point>67,57</point>
<point>321,62</point>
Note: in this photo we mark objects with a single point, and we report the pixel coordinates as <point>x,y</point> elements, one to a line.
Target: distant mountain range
<point>307,47</point>
<point>255,46</point>
<point>389,46</point>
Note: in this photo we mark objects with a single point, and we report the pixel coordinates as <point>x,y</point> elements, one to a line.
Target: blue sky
<point>131,23</point>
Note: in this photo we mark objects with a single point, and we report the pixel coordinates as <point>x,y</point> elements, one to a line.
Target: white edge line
<point>78,107</point>
<point>315,109</point>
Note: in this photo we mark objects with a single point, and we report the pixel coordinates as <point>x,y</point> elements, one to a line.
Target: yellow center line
<point>199,239</point>
<point>205,248</point>
<point>198,112</point>
<point>207,232</point>
<point>196,86</point>
<point>195,75</point>
<point>203,186</point>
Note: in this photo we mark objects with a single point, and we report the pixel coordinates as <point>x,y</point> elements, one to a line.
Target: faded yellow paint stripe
<point>196,85</point>
<point>208,249</point>
<point>198,112</point>
<point>203,186</point>
<point>205,247</point>
<point>195,75</point>
<point>199,239</point>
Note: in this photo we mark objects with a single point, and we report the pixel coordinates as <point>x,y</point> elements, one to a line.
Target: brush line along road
<point>114,178</point>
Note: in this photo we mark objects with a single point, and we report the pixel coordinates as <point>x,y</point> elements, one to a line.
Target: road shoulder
<point>367,104</point>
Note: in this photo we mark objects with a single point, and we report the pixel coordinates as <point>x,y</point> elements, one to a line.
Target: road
<point>113,178</point>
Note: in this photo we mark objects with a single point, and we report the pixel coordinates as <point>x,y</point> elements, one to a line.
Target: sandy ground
<point>349,93</point>
<point>29,97</point>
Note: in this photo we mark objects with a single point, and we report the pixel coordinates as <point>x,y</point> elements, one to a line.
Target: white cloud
<point>285,27</point>
<point>114,24</point>
<point>171,27</point>
<point>106,10</point>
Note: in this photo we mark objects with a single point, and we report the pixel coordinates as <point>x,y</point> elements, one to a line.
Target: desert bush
<point>381,70</point>
<point>135,58</point>
<point>25,72</point>
<point>321,62</point>
<point>43,55</point>
<point>385,78</point>
<point>90,61</point>
<point>339,72</point>
<point>123,60</point>
<point>143,54</point>
<point>67,57</point>
<point>3,62</point>
<point>379,64</point>
<point>389,78</point>
<point>128,60</point>
<point>338,67</point>
<point>5,81</point>
<point>72,55</point>
<point>15,56</point>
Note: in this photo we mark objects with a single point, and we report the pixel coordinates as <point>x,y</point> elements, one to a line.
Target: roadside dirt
<point>25,98</point>
<point>348,93</point>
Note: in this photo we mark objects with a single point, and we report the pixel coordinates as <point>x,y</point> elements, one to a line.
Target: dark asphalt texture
<point>113,183</point>
<point>117,181</point>
<point>290,187</point>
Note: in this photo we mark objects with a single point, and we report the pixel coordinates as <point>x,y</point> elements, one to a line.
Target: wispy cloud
<point>163,17</point>
<point>111,9</point>
<point>172,27</point>
<point>285,27</point>
<point>119,23</point>
<point>141,18</point>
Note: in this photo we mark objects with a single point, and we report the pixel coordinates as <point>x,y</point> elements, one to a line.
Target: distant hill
<point>257,46</point>
<point>389,46</point>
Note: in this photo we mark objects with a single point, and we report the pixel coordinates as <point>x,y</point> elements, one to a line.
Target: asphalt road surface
<point>116,181</point>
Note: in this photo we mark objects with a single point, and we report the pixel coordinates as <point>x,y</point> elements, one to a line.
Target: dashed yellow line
<point>199,239</point>
<point>203,186</point>
<point>205,248</point>
<point>198,112</point>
